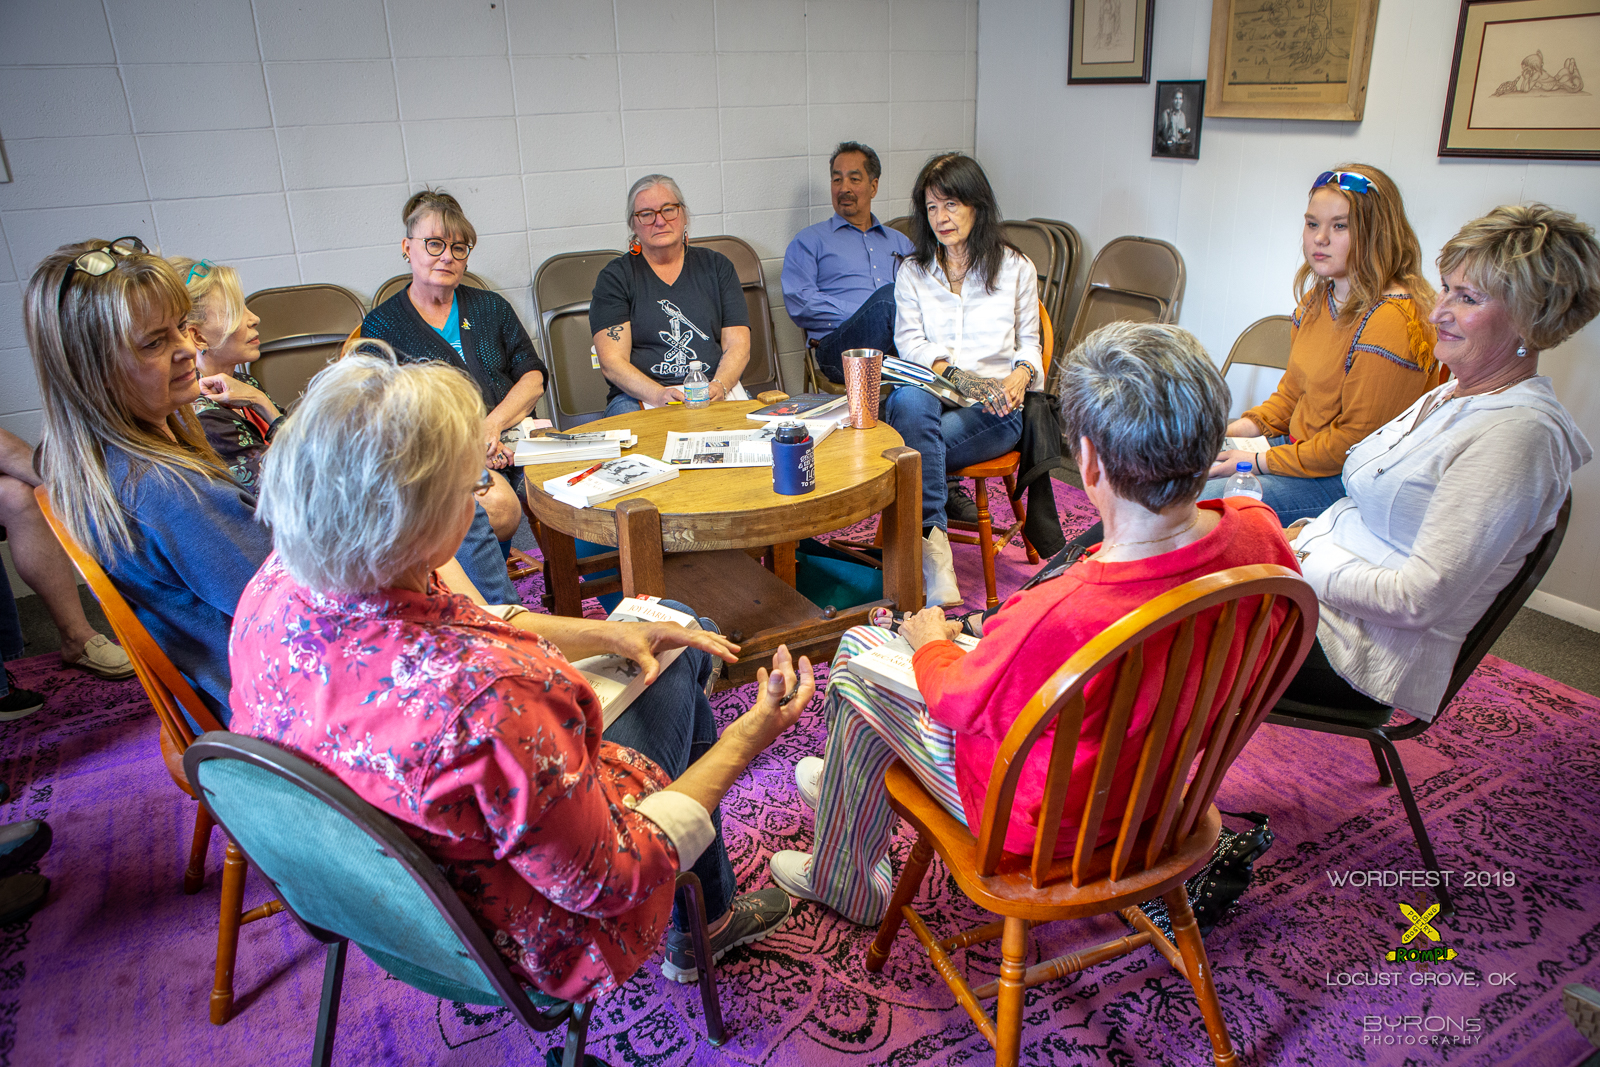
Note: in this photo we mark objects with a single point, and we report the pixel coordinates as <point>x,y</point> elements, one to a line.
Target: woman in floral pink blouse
<point>355,647</point>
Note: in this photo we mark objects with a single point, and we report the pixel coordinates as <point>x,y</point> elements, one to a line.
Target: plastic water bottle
<point>1244,482</point>
<point>696,387</point>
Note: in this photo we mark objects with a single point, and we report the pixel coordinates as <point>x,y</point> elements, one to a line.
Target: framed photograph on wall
<point>1517,83</point>
<point>1178,113</point>
<point>1290,59</point>
<point>1110,41</point>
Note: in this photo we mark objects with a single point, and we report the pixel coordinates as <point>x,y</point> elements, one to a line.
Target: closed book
<point>614,478</point>
<point>889,666</point>
<point>617,680</point>
<point>802,406</point>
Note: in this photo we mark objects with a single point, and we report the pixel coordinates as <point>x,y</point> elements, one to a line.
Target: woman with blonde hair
<point>237,415</point>
<point>1362,348</point>
<point>128,466</point>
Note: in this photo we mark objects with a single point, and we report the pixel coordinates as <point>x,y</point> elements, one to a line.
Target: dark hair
<point>959,176</point>
<point>1153,405</point>
<point>874,166</point>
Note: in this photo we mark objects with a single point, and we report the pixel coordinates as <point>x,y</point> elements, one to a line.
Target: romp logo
<point>1420,924</point>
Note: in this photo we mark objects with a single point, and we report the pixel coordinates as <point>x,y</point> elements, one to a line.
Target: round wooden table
<point>686,538</point>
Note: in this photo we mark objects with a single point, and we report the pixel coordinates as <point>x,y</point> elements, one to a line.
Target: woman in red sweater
<point>1146,409</point>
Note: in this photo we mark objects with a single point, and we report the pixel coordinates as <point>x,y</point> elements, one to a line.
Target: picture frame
<point>1175,133</point>
<point>1506,101</point>
<point>1109,41</point>
<point>1290,59</point>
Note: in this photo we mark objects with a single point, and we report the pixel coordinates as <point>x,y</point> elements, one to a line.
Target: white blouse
<point>986,333</point>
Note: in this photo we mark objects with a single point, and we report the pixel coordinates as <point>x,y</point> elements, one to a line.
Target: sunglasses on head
<point>98,261</point>
<point>1349,181</point>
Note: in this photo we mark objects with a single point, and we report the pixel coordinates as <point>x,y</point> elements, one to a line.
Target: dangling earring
<point>634,248</point>
<point>1522,349</point>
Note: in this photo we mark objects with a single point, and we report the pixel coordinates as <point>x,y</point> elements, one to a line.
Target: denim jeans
<point>1292,498</point>
<point>948,440</point>
<point>671,722</point>
<point>872,326</point>
<point>10,629</point>
<point>622,404</point>
<point>480,556</point>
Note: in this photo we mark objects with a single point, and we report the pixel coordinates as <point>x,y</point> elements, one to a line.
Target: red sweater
<point>979,694</point>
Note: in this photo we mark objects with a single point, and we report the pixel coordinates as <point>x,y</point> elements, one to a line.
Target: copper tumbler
<point>863,374</point>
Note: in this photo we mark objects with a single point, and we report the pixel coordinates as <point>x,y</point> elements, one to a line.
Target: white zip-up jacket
<point>1438,517</point>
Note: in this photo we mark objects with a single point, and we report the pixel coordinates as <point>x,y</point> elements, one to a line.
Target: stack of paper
<point>615,478</point>
<point>573,447</point>
<point>732,448</point>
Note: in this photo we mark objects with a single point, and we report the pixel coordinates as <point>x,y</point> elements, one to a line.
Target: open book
<point>615,478</point>
<point>617,680</point>
<point>889,666</point>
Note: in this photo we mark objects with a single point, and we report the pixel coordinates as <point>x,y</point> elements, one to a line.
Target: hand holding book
<point>928,625</point>
<point>642,642</point>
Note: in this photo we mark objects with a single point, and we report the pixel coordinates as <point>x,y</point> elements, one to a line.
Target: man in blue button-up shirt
<point>838,276</point>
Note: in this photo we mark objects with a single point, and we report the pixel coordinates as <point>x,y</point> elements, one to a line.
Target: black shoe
<point>21,895</point>
<point>19,703</point>
<point>959,506</point>
<point>21,845</point>
<point>755,915</point>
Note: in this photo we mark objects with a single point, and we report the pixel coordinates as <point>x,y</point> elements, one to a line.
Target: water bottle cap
<point>791,433</point>
<point>1243,467</point>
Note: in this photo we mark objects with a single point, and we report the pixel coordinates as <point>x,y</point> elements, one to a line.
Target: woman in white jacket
<point>967,307</point>
<point>1446,501</point>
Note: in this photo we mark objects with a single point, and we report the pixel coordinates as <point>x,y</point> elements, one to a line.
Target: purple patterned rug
<point>117,967</point>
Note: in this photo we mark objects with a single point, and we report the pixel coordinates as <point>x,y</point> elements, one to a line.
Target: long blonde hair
<point>81,355</point>
<point>1384,251</point>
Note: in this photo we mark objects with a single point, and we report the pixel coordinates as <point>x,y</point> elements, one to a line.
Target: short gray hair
<point>365,476</point>
<point>650,181</point>
<point>1153,405</point>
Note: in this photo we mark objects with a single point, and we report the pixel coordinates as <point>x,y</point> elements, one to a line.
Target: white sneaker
<point>808,776</point>
<point>792,873</point>
<point>939,571</point>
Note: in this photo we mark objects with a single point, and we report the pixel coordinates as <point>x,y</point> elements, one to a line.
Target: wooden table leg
<point>780,561</point>
<point>901,528</point>
<point>561,572</point>
<point>639,549</point>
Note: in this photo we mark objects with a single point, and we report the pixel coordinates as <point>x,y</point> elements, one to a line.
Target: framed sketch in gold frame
<point>1290,59</point>
<point>1507,99</point>
<point>1109,41</point>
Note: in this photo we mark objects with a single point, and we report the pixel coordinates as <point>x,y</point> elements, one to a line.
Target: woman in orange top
<point>1362,347</point>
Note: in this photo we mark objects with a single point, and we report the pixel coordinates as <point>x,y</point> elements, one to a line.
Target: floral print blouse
<point>483,741</point>
<point>240,435</point>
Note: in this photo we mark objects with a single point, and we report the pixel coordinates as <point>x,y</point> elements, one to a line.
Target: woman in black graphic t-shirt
<point>664,305</point>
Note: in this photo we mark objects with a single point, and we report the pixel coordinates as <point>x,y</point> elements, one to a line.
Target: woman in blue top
<point>128,467</point>
<point>438,318</point>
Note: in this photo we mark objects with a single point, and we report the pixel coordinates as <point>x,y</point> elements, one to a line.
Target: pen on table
<point>576,478</point>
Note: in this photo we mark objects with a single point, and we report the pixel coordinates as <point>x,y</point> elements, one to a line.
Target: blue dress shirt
<point>831,268</point>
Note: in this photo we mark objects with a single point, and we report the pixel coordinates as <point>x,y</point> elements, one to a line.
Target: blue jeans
<point>948,440</point>
<point>10,629</point>
<point>622,404</point>
<point>872,326</point>
<point>672,723</point>
<point>1292,498</point>
<point>480,556</point>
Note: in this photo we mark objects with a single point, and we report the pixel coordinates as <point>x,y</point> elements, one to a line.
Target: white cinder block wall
<point>1082,153</point>
<point>283,137</point>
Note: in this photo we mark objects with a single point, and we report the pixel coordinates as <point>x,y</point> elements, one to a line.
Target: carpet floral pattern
<point>117,967</point>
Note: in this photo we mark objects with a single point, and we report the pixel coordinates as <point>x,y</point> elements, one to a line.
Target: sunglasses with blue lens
<point>1349,181</point>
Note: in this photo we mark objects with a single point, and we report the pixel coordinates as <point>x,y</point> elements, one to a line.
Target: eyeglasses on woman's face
<point>483,484</point>
<point>435,246</point>
<point>98,261</point>
<point>668,213</point>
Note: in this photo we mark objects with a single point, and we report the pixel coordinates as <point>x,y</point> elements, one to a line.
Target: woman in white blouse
<point>967,306</point>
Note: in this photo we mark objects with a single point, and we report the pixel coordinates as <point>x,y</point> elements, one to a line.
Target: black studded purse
<point>1223,880</point>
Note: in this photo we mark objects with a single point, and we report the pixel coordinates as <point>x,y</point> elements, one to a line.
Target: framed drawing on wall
<point>1516,87</point>
<point>1177,128</point>
<point>1290,59</point>
<point>1110,41</point>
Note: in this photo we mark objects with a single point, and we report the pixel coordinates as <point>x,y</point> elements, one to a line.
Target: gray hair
<point>650,181</point>
<point>1153,405</point>
<point>366,475</point>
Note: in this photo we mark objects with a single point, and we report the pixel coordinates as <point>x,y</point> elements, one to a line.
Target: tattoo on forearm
<point>615,333</point>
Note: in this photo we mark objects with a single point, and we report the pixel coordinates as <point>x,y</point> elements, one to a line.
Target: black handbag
<point>1224,878</point>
